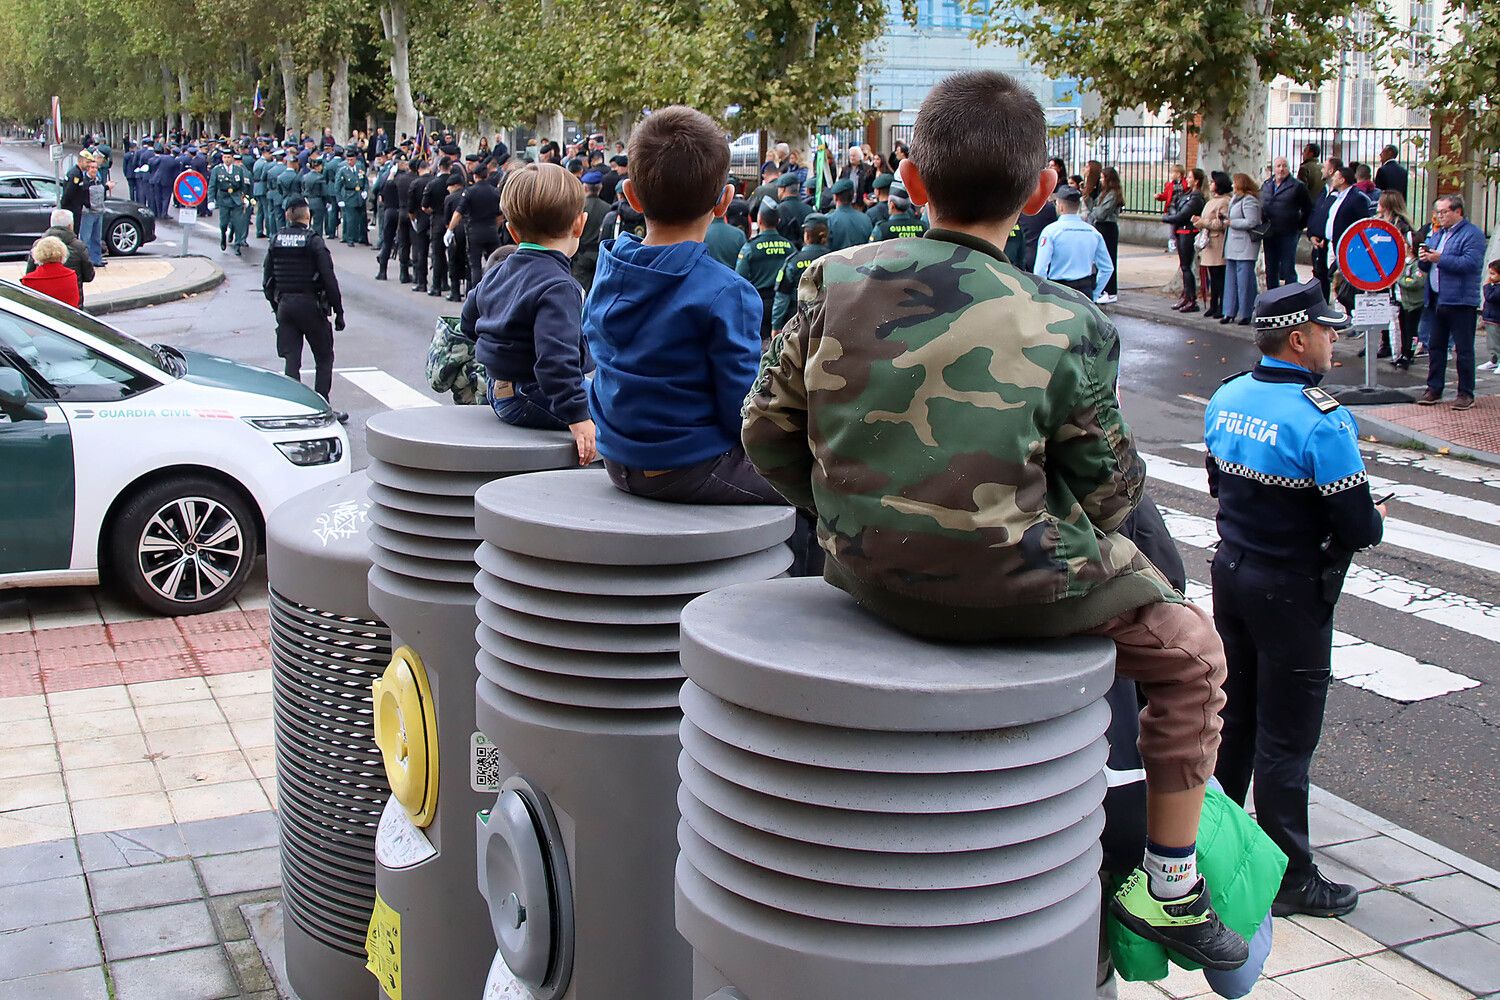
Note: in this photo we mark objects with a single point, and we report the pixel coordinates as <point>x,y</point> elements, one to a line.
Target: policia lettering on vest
<point>299,282</point>
<point>1294,506</point>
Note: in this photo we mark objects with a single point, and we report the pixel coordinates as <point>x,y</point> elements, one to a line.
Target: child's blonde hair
<point>542,200</point>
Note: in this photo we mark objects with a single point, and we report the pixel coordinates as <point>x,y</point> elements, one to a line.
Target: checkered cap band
<point>1277,322</point>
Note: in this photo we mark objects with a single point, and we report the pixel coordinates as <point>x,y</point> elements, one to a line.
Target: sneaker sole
<point>1150,933</point>
<point>1288,910</point>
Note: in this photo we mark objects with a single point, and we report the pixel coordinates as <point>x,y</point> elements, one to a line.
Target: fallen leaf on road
<point>1192,341</point>
<point>1223,361</point>
<point>1442,451</point>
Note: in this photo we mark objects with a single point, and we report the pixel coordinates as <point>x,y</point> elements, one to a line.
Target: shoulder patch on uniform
<point>1321,399</point>
<point>1230,378</point>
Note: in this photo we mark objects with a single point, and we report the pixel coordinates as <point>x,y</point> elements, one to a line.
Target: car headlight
<point>311,422</point>
<point>319,451</point>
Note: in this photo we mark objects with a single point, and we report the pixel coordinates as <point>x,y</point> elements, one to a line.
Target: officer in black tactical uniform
<point>1294,505</point>
<point>395,225</point>
<point>421,224</point>
<point>478,211</point>
<point>299,283</point>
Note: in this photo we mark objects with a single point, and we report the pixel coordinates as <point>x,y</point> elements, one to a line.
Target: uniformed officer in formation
<point>421,224</point>
<point>434,194</point>
<point>456,243</point>
<point>478,212</point>
<point>229,187</point>
<point>395,225</point>
<point>586,258</point>
<point>315,189</point>
<point>354,187</point>
<point>1294,505</point>
<point>814,245</point>
<point>258,171</point>
<point>761,260</point>
<point>880,211</point>
<point>847,225</point>
<point>901,223</point>
<point>792,211</point>
<point>299,282</point>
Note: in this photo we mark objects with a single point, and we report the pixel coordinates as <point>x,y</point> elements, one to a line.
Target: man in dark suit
<point>1332,214</point>
<point>1285,206</point>
<point>1392,175</point>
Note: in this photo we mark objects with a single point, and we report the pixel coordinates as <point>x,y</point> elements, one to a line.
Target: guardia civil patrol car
<point>145,464</point>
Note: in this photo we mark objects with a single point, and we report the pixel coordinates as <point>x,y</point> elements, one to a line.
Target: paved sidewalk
<point>133,282</point>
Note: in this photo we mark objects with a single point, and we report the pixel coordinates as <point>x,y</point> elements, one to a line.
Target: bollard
<point>868,816</point>
<point>581,587</point>
<point>427,936</point>
<point>326,648</point>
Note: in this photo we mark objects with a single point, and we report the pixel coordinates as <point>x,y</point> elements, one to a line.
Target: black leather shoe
<point>1315,896</point>
<point>455,298</point>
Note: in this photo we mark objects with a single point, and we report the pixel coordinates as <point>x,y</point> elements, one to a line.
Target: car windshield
<point>46,190</point>
<point>84,323</point>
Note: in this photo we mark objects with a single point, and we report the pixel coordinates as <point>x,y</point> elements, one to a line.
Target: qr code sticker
<point>484,764</point>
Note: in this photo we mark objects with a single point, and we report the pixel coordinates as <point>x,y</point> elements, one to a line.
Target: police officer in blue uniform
<point>1294,505</point>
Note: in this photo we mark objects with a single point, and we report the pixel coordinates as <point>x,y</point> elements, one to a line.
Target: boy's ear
<point>630,196</point>
<point>722,208</point>
<point>579,223</point>
<point>513,234</point>
<point>911,179</point>
<point>1046,183</point>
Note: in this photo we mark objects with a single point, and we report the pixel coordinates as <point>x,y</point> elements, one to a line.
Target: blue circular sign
<point>191,189</point>
<point>1372,253</point>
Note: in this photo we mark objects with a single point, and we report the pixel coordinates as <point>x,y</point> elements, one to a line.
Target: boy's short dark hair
<point>979,143</point>
<point>678,161</point>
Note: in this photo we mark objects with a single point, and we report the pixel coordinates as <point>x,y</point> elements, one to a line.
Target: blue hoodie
<point>676,338</point>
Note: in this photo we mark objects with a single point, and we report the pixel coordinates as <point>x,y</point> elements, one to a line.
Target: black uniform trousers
<point>420,233</point>
<point>396,238</point>
<point>439,255</point>
<point>458,262</point>
<point>482,241</point>
<point>299,318</point>
<point>1277,629</point>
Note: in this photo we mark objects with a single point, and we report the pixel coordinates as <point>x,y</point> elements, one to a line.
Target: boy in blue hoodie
<point>675,333</point>
<point>527,311</point>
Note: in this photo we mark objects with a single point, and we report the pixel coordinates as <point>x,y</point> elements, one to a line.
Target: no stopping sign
<point>1371,255</point>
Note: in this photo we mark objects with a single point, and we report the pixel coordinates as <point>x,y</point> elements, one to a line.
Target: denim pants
<point>1240,288</point>
<point>526,408</point>
<point>91,232</point>
<point>1455,325</point>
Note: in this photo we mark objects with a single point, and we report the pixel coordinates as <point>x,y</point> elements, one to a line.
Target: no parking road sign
<point>1372,254</point>
<point>191,189</point>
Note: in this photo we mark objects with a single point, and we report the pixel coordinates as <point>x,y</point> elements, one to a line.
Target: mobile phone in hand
<point>1385,499</point>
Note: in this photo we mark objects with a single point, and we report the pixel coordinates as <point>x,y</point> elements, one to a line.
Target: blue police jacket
<point>1283,461</point>
<point>1070,249</point>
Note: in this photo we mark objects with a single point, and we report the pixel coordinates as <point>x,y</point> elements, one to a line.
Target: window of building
<point>1423,17</point>
<point>1302,110</point>
<point>1362,97</point>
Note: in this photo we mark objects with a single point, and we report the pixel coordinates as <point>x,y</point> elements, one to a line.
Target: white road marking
<point>1192,398</point>
<point>388,389</point>
<point>1386,672</point>
<point>1448,468</point>
<point>1398,533</point>
<point>1456,505</point>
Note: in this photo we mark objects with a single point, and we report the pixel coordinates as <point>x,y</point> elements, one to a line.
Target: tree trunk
<point>623,125</point>
<point>338,98</point>
<point>549,125</point>
<point>168,104</point>
<point>288,62</point>
<point>393,21</point>
<point>316,107</point>
<point>183,89</point>
<point>1233,138</point>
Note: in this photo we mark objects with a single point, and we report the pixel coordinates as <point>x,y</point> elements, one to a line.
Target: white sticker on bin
<point>484,764</point>
<point>398,842</point>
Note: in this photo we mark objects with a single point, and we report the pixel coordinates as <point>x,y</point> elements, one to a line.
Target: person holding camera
<point>299,282</point>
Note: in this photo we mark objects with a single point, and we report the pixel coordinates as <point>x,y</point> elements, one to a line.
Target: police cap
<point>789,181</point>
<point>592,177</point>
<point>845,186</point>
<point>456,178</point>
<point>883,181</point>
<point>1066,192</point>
<point>814,219</point>
<point>295,202</point>
<point>1293,305</point>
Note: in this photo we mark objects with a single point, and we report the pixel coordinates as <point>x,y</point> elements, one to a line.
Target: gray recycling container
<point>327,645</point>
<point>429,932</point>
<point>868,816</point>
<point>580,589</point>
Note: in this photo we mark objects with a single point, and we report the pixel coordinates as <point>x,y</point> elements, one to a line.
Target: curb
<point>167,291</point>
<point>1389,432</point>
<point>1454,859</point>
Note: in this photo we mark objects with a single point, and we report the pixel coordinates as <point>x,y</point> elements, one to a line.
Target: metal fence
<point>1143,154</point>
<point>1363,145</point>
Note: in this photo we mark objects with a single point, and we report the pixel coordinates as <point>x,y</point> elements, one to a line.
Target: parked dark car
<point>26,204</point>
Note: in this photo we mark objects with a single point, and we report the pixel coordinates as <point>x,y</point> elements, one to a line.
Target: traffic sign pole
<point>1371,257</point>
<point>190,190</point>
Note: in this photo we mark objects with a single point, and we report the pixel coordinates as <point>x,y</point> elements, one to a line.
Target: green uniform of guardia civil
<point>229,189</point>
<point>273,203</point>
<point>878,212</point>
<point>786,282</point>
<point>724,242</point>
<point>315,190</point>
<point>258,190</point>
<point>353,187</point>
<point>903,225</point>
<point>333,171</point>
<point>759,263</point>
<point>847,227</point>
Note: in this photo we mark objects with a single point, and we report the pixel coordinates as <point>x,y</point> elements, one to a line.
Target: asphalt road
<point>1413,726</point>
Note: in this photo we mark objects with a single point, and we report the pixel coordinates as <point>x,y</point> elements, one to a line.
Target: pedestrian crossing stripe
<point>387,388</point>
<point>1400,534</point>
<point>1448,468</point>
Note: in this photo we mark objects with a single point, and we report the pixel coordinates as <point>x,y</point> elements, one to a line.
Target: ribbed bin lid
<point>803,650</point>
<point>580,517</point>
<point>464,439</point>
<point>318,546</point>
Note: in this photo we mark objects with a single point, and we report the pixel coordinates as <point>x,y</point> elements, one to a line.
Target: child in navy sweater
<point>676,334</point>
<point>1491,316</point>
<point>527,311</point>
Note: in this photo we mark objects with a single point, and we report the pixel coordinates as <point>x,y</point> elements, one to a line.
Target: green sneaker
<point>1188,926</point>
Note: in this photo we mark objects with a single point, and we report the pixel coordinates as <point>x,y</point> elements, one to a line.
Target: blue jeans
<point>1281,259</point>
<point>91,226</point>
<point>1239,288</point>
<point>527,408</point>
<point>1455,324</point>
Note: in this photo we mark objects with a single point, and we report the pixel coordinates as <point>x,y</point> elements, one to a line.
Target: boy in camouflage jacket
<point>953,422</point>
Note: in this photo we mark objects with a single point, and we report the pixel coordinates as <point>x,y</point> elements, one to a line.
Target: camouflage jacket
<point>953,422</point>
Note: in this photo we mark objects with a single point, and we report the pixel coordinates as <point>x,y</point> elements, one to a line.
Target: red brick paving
<point>1477,429</point>
<point>87,656</point>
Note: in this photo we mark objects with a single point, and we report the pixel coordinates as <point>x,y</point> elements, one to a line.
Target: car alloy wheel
<point>124,238</point>
<point>191,549</point>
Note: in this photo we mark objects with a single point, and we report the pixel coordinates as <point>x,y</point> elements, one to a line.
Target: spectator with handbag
<point>1241,248</point>
<point>1212,225</point>
<point>1186,203</point>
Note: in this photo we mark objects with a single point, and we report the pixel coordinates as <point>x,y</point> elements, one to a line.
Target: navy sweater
<point>677,338</point>
<point>528,313</point>
<point>1492,303</point>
